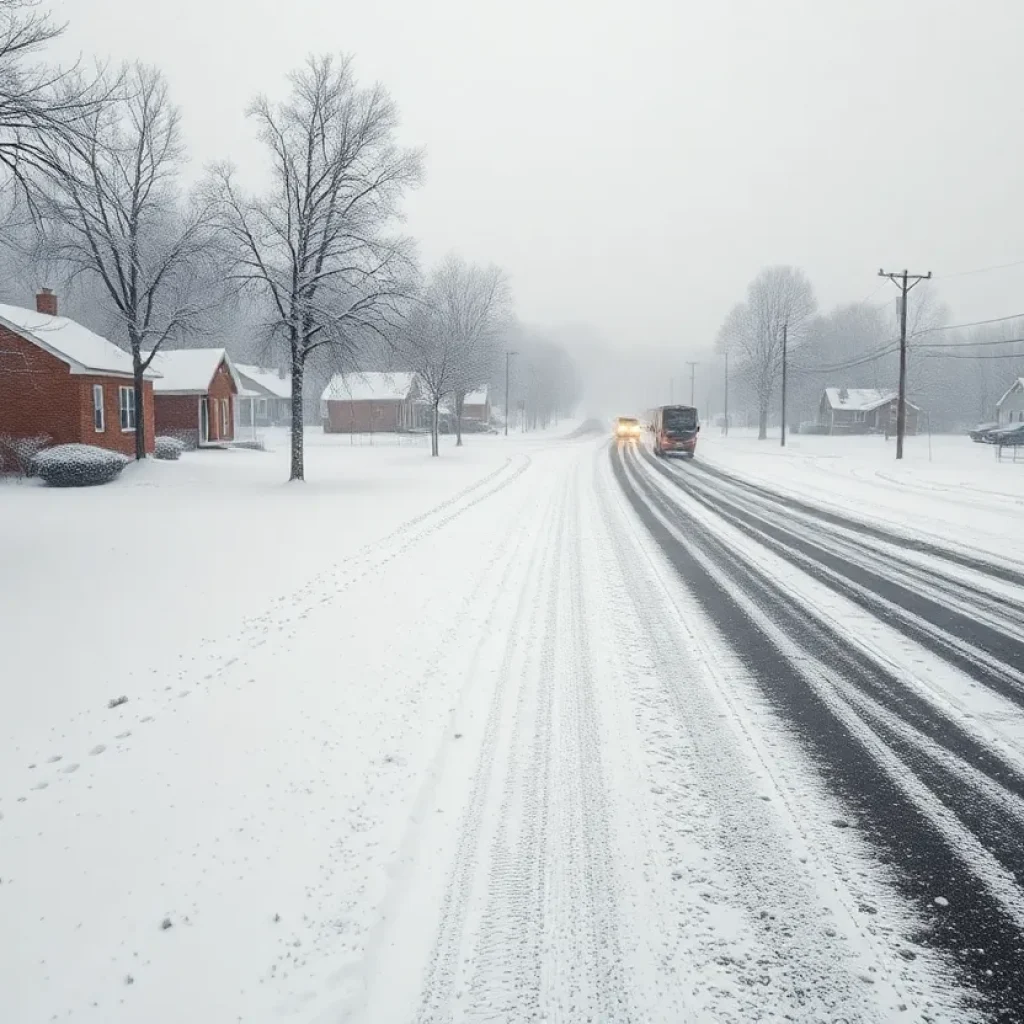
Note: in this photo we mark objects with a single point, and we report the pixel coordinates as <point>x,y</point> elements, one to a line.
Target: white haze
<point>633,166</point>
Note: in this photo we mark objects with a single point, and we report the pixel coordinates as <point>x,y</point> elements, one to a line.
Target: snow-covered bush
<point>17,453</point>
<point>253,444</point>
<point>78,465</point>
<point>168,448</point>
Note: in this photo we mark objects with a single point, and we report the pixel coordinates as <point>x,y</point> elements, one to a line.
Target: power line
<point>968,355</point>
<point>980,270</point>
<point>972,323</point>
<point>970,344</point>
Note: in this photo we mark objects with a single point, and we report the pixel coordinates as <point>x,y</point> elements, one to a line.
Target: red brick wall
<point>113,436</point>
<point>361,417</point>
<point>178,415</point>
<point>222,388</point>
<point>40,395</point>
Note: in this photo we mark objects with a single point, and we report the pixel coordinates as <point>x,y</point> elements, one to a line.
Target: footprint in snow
<point>69,768</point>
<point>98,749</point>
<point>55,759</point>
<point>41,785</point>
<point>124,735</point>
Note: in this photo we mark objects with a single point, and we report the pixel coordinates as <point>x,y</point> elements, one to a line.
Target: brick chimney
<point>46,302</point>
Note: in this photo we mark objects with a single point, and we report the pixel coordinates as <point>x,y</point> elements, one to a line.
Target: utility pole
<point>508,358</point>
<point>902,281</point>
<point>725,426</point>
<point>693,369</point>
<point>785,340</point>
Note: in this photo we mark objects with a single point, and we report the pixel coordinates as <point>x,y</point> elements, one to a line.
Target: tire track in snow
<point>993,653</point>
<point>1009,571</point>
<point>979,923</point>
<point>805,964</point>
<point>452,970</point>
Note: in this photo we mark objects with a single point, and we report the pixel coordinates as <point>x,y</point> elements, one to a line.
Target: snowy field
<point>534,731</point>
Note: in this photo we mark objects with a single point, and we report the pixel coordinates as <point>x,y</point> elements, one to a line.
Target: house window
<point>126,407</point>
<point>97,409</point>
<point>858,417</point>
<point>262,407</point>
<point>225,409</point>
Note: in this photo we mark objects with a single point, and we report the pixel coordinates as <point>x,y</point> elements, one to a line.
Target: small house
<point>62,382</point>
<point>477,406</point>
<point>195,394</point>
<point>863,411</point>
<point>265,399</point>
<point>1010,408</point>
<point>360,403</point>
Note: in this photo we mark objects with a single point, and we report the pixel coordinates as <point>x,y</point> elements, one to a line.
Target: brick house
<point>195,395</point>
<point>61,381</point>
<point>863,411</point>
<point>360,403</point>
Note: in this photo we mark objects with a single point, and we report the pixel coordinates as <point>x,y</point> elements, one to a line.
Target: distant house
<point>195,395</point>
<point>1010,408</point>
<point>265,399</point>
<point>863,411</point>
<point>360,403</point>
<point>59,380</point>
<point>477,406</point>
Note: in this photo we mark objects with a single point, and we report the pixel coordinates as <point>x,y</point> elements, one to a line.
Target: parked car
<point>1011,436</point>
<point>980,432</point>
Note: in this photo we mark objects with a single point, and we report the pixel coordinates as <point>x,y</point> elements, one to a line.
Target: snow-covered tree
<point>470,305</point>
<point>113,212</point>
<point>318,247</point>
<point>780,299</point>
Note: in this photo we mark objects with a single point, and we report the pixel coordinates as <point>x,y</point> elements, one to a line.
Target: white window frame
<point>859,416</point>
<point>99,423</point>
<point>261,408</point>
<point>126,409</point>
<point>225,409</point>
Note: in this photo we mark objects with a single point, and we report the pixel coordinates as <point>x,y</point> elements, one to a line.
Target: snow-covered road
<point>594,738</point>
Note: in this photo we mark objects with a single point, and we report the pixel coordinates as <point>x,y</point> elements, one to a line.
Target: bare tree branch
<point>316,247</point>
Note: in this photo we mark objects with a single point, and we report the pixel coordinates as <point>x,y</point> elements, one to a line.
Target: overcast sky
<point>633,164</point>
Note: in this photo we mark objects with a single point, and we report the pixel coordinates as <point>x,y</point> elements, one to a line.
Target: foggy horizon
<point>633,170</point>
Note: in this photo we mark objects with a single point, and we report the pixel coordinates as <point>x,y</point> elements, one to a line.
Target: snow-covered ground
<point>945,487</point>
<point>431,740</point>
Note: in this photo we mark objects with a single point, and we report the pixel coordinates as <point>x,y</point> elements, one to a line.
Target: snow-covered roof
<point>476,397</point>
<point>189,371</point>
<point>68,341</point>
<point>369,387</point>
<point>1017,385</point>
<point>268,382</point>
<point>860,399</point>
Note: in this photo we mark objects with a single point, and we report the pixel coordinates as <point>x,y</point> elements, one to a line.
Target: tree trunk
<point>458,421</point>
<point>762,421</point>
<point>434,445</point>
<point>298,449</point>
<point>140,406</point>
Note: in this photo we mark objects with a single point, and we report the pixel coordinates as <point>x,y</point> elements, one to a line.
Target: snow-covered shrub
<point>168,448</point>
<point>17,453</point>
<point>254,444</point>
<point>78,465</point>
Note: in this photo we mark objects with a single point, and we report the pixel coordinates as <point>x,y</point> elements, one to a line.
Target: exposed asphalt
<point>943,808</point>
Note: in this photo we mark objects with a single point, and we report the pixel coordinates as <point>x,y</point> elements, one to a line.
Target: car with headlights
<point>627,428</point>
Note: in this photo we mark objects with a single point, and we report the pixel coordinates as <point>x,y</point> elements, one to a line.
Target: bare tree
<point>38,103</point>
<point>316,247</point>
<point>113,213</point>
<point>469,305</point>
<point>429,351</point>
<point>780,299</point>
